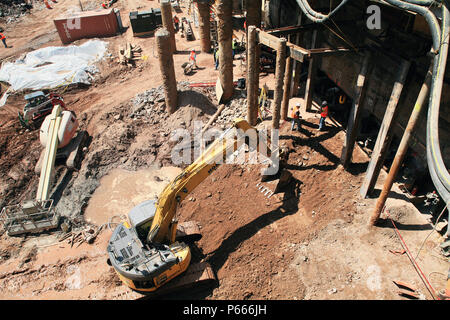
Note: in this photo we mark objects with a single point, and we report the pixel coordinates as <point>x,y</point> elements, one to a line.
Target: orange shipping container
<point>87,24</point>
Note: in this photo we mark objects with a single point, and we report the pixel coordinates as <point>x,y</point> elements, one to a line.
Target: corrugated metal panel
<point>87,24</point>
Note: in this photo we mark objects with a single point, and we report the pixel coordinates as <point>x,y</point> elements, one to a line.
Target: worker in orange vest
<point>296,117</point>
<point>2,36</point>
<point>323,115</point>
<point>193,58</point>
<point>176,22</point>
<point>47,4</point>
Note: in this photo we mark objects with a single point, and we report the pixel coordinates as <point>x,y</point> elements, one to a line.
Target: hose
<point>434,156</point>
<point>315,16</point>
<point>438,172</point>
<point>427,14</point>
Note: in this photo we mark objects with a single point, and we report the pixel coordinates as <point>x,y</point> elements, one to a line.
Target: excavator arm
<point>194,174</point>
<point>145,252</point>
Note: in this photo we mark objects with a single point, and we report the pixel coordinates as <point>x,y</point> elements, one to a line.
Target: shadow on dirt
<point>218,257</point>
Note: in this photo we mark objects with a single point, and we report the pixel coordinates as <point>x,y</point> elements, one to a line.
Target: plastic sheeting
<point>52,67</point>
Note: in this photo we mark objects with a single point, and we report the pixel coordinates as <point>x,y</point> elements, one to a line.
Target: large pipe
<point>205,26</point>
<point>279,78</point>
<point>286,89</point>
<point>403,147</point>
<point>166,65</point>
<point>224,10</point>
<point>167,21</point>
<point>252,74</point>
<point>253,10</point>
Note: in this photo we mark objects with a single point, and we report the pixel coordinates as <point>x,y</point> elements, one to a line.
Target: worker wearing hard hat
<point>323,115</point>
<point>296,117</point>
<point>193,58</point>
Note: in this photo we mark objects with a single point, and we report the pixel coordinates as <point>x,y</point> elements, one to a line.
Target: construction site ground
<point>310,241</point>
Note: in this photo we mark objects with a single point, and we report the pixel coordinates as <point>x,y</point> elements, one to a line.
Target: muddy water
<point>120,190</point>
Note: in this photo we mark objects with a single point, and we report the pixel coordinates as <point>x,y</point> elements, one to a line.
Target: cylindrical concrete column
<point>236,6</point>
<point>167,21</point>
<point>253,9</point>
<point>205,26</point>
<point>165,55</point>
<point>279,78</point>
<point>286,89</point>
<point>257,71</point>
<point>252,77</point>
<point>225,33</point>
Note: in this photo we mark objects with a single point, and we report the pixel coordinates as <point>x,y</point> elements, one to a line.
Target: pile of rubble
<point>236,108</point>
<point>150,104</point>
<point>14,8</point>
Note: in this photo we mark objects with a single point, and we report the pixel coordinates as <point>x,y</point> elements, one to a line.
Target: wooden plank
<point>385,134</point>
<point>312,69</point>
<point>296,52</point>
<point>355,114</point>
<point>267,39</point>
<point>219,90</point>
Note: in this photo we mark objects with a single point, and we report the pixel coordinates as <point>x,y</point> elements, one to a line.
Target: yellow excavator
<point>147,251</point>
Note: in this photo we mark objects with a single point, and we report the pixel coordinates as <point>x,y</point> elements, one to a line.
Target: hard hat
<point>324,103</point>
<point>297,105</point>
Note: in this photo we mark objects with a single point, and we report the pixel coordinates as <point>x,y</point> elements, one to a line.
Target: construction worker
<point>323,115</point>
<point>176,22</point>
<point>193,58</point>
<point>296,117</point>
<point>233,47</point>
<point>47,5</point>
<point>216,58</point>
<point>2,36</point>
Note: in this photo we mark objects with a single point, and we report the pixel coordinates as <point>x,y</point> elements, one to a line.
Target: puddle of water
<point>121,190</point>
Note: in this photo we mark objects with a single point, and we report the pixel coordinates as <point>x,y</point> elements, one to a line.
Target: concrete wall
<point>343,70</point>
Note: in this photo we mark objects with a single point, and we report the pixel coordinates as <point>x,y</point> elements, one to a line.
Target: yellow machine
<point>146,251</point>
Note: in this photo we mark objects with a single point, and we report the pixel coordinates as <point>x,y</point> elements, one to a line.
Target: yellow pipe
<point>50,154</point>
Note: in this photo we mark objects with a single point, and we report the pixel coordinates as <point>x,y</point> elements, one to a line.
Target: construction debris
<point>130,54</point>
<point>86,235</point>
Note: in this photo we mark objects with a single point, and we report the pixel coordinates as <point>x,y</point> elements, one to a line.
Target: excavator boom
<point>145,252</point>
<point>199,170</point>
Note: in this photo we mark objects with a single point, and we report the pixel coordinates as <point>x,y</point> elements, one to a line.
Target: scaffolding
<point>33,217</point>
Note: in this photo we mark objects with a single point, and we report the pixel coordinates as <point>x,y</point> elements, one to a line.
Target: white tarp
<point>52,67</point>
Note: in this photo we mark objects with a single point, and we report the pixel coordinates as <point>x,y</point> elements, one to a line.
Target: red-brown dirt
<point>311,241</point>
